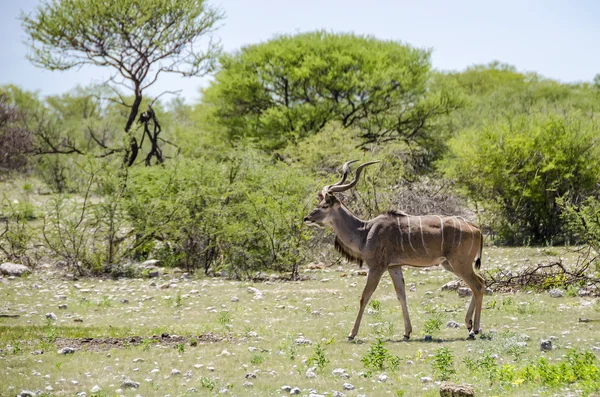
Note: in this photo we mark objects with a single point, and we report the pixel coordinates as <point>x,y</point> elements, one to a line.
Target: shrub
<point>520,168</point>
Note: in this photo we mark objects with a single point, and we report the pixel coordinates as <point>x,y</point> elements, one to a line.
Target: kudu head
<point>328,203</point>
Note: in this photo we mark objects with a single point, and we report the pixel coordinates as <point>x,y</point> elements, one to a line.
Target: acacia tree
<point>289,87</point>
<point>137,39</point>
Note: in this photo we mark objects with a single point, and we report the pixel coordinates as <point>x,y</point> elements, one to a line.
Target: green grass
<point>505,361</point>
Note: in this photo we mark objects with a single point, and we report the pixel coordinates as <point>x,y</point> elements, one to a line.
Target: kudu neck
<point>348,228</point>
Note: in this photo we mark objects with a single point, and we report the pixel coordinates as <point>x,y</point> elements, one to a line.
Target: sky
<point>558,39</point>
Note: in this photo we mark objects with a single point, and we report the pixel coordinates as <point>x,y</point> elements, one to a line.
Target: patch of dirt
<point>164,340</point>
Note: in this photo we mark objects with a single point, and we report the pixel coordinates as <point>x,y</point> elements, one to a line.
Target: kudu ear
<point>320,197</point>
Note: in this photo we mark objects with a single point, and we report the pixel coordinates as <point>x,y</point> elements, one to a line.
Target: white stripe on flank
<point>459,234</point>
<point>442,231</point>
<point>422,238</point>
<point>400,230</point>
<point>409,240</point>
<point>472,236</point>
<point>454,228</point>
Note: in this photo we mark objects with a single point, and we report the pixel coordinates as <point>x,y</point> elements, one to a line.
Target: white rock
<point>452,285</point>
<point>95,389</point>
<point>556,293</point>
<point>14,269</point>
<point>382,378</point>
<point>348,386</point>
<point>452,324</point>
<point>51,316</point>
<point>175,371</point>
<point>338,372</point>
<point>426,379</point>
<point>464,291</point>
<point>310,373</point>
<point>129,384</point>
<point>67,350</point>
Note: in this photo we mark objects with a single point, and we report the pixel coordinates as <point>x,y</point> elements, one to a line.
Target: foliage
<point>240,213</point>
<point>443,363</point>
<point>583,220</point>
<point>291,86</point>
<point>16,233</point>
<point>318,358</point>
<point>15,140</point>
<point>520,168</point>
<point>137,40</point>
<point>379,358</point>
<point>432,324</point>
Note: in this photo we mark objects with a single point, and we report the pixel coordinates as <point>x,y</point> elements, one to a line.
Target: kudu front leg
<point>400,287</point>
<point>370,287</point>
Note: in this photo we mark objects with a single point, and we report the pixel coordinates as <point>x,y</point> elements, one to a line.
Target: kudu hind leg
<point>400,287</point>
<point>477,285</point>
<point>370,287</point>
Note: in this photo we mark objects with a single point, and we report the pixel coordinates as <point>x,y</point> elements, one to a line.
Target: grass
<point>258,337</point>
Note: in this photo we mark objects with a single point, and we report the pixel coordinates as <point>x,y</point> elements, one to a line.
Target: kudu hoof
<point>350,338</point>
<point>471,337</point>
<point>406,337</point>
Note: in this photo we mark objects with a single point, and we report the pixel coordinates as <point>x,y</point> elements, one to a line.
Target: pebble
<point>310,373</point>
<point>67,350</point>
<point>129,384</point>
<point>452,324</point>
<point>556,293</point>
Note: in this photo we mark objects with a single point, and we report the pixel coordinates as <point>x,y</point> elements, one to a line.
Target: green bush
<point>520,168</point>
<point>240,213</point>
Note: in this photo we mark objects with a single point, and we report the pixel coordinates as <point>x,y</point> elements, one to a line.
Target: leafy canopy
<point>289,87</point>
<point>132,36</point>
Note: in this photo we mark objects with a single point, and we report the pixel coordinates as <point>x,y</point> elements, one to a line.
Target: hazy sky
<point>559,39</point>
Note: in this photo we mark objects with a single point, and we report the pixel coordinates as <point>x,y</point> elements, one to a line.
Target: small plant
<point>375,304</point>
<point>224,318</point>
<point>433,324</point>
<point>443,363</point>
<point>257,359</point>
<point>180,348</point>
<point>378,357</point>
<point>51,334</point>
<point>318,358</point>
<point>147,343</point>
<point>178,300</point>
<point>104,302</point>
<point>58,365</point>
<point>207,383</point>
<point>16,347</point>
<point>193,342</point>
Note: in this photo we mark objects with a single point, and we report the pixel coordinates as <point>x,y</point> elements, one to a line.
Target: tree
<point>138,39</point>
<point>291,86</point>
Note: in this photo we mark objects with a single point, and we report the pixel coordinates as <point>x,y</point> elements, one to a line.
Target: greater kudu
<point>395,239</point>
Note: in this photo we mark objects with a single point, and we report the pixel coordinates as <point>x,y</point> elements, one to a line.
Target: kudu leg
<point>477,285</point>
<point>372,282</point>
<point>400,287</point>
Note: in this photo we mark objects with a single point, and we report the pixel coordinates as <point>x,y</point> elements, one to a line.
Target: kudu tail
<point>478,260</point>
